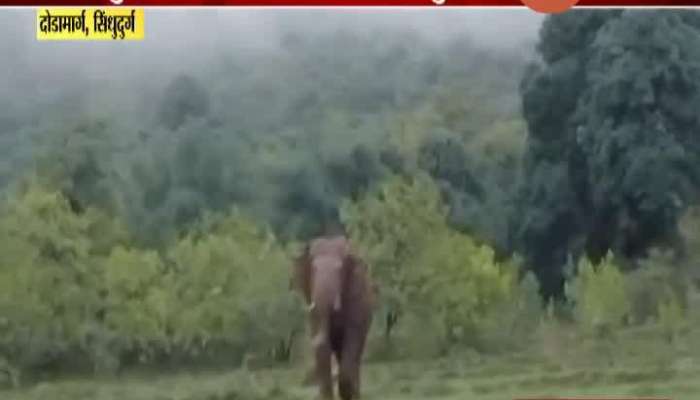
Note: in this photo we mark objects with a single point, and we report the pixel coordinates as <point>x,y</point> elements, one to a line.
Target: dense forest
<point>489,189</point>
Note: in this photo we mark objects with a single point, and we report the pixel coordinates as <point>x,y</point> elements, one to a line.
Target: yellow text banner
<point>109,23</point>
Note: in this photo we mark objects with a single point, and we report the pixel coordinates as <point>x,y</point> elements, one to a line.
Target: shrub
<point>426,269</point>
<point>513,322</point>
<point>671,315</point>
<point>230,289</point>
<point>50,275</point>
<point>690,233</point>
<point>73,295</point>
<point>463,284</point>
<point>650,285</point>
<point>600,296</point>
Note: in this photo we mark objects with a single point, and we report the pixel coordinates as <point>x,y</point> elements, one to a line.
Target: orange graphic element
<point>550,6</point>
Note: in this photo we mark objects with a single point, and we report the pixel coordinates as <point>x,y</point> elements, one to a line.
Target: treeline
<point>286,134</point>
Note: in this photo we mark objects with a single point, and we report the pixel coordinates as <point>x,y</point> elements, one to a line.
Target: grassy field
<point>644,368</point>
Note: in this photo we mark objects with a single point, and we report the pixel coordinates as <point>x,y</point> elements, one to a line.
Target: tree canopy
<point>610,163</point>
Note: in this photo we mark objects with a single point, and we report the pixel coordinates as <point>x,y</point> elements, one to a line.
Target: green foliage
<point>600,296</point>
<point>283,134</point>
<point>424,267</point>
<point>183,98</point>
<point>80,161</point>
<point>610,107</point>
<point>73,291</point>
<point>461,282</point>
<point>652,283</point>
<point>135,307</point>
<point>229,286</point>
<point>50,275</point>
<point>671,315</point>
<point>689,226</point>
<point>513,322</point>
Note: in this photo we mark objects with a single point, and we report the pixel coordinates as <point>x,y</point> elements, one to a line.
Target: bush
<point>690,233</point>
<point>650,285</point>
<point>427,270</point>
<point>73,295</point>
<point>600,296</point>
<point>513,323</point>
<point>229,290</point>
<point>135,313</point>
<point>463,284</point>
<point>671,316</point>
<point>50,276</point>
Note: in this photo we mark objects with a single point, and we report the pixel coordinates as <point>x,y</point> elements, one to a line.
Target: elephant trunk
<point>325,296</point>
<point>327,291</point>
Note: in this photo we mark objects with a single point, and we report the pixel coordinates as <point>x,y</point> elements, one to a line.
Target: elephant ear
<point>357,274</point>
<point>301,276</point>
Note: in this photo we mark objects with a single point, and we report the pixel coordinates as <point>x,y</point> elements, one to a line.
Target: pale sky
<point>182,38</point>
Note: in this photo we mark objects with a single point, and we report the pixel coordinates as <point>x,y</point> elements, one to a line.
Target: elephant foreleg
<point>324,377</point>
<point>349,368</point>
<point>348,381</point>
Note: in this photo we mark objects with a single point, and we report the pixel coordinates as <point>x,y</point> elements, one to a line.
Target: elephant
<point>340,297</point>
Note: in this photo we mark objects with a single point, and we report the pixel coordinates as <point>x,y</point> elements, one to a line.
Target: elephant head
<point>321,272</point>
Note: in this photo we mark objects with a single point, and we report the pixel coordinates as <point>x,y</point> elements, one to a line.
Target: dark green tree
<point>611,161</point>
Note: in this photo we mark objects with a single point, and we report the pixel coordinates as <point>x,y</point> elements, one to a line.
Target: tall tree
<point>611,162</point>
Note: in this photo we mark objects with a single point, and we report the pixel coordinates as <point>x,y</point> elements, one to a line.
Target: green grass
<point>496,378</point>
<point>637,363</point>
